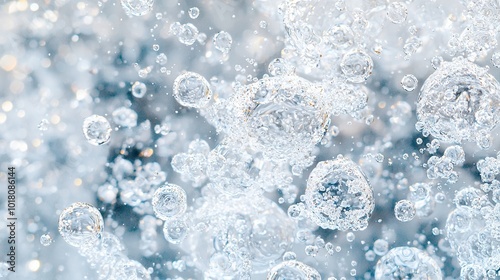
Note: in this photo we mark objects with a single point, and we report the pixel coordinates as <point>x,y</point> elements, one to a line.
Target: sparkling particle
<point>407,263</point>
<point>80,224</point>
<point>223,41</point>
<point>460,101</point>
<point>169,201</point>
<point>339,196</point>
<point>192,90</point>
<point>125,117</point>
<point>409,82</point>
<point>137,7</point>
<point>293,270</point>
<point>397,12</point>
<point>404,210</point>
<point>139,89</point>
<point>356,65</point>
<point>97,130</point>
<point>194,12</point>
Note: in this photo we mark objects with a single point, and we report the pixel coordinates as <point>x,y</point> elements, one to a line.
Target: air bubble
<point>356,65</point>
<point>404,210</point>
<point>169,201</point>
<point>192,90</point>
<point>223,41</point>
<point>293,270</point>
<point>97,130</point>
<point>137,7</point>
<point>139,89</point>
<point>80,224</point>
<point>397,12</point>
<point>125,117</point>
<point>194,12</point>
<point>409,82</point>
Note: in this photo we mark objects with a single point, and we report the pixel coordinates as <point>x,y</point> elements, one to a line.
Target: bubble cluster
<point>125,117</point>
<point>186,33</point>
<point>97,130</point>
<point>192,90</point>
<point>339,196</point>
<point>460,101</point>
<point>442,167</point>
<point>407,263</point>
<point>80,224</point>
<point>472,230</point>
<point>193,164</point>
<point>169,201</point>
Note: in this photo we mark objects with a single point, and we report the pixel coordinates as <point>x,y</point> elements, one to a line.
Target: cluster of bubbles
<point>291,143</point>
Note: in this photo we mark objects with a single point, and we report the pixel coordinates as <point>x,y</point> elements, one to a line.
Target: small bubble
<point>397,12</point>
<point>169,201</point>
<point>380,247</point>
<point>139,89</point>
<point>43,125</point>
<point>223,41</point>
<point>137,7</point>
<point>125,117</point>
<point>194,12</point>
<point>436,61</point>
<point>356,65</point>
<point>45,240</point>
<point>409,82</point>
<point>192,90</point>
<point>156,47</point>
<point>404,210</point>
<point>350,237</point>
<point>175,230</point>
<point>97,130</point>
<point>263,24</point>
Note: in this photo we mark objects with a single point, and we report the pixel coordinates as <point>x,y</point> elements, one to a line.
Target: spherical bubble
<point>460,101</point>
<point>282,116</point>
<point>397,12</point>
<point>125,117</point>
<point>139,89</point>
<point>409,82</point>
<point>45,240</point>
<point>194,12</point>
<point>97,130</point>
<point>169,201</point>
<point>436,61</point>
<point>356,65</point>
<point>80,224</point>
<point>380,247</point>
<point>137,7</point>
<point>175,230</point>
<point>223,41</point>
<point>339,196</point>
<point>407,263</point>
<point>404,210</point>
<point>186,33</point>
<point>293,270</point>
<point>192,90</point>
<point>130,269</point>
<point>456,154</point>
<point>472,272</point>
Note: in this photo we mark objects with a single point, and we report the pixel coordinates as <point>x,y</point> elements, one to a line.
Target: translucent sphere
<point>192,90</point>
<point>407,263</point>
<point>404,210</point>
<point>293,270</point>
<point>175,230</point>
<point>137,7</point>
<point>45,240</point>
<point>169,201</point>
<point>409,82</point>
<point>283,116</point>
<point>339,196</point>
<point>380,247</point>
<point>80,224</point>
<point>460,101</point>
<point>223,41</point>
<point>397,12</point>
<point>125,117</point>
<point>356,65</point>
<point>139,89</point>
<point>194,12</point>
<point>97,130</point>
